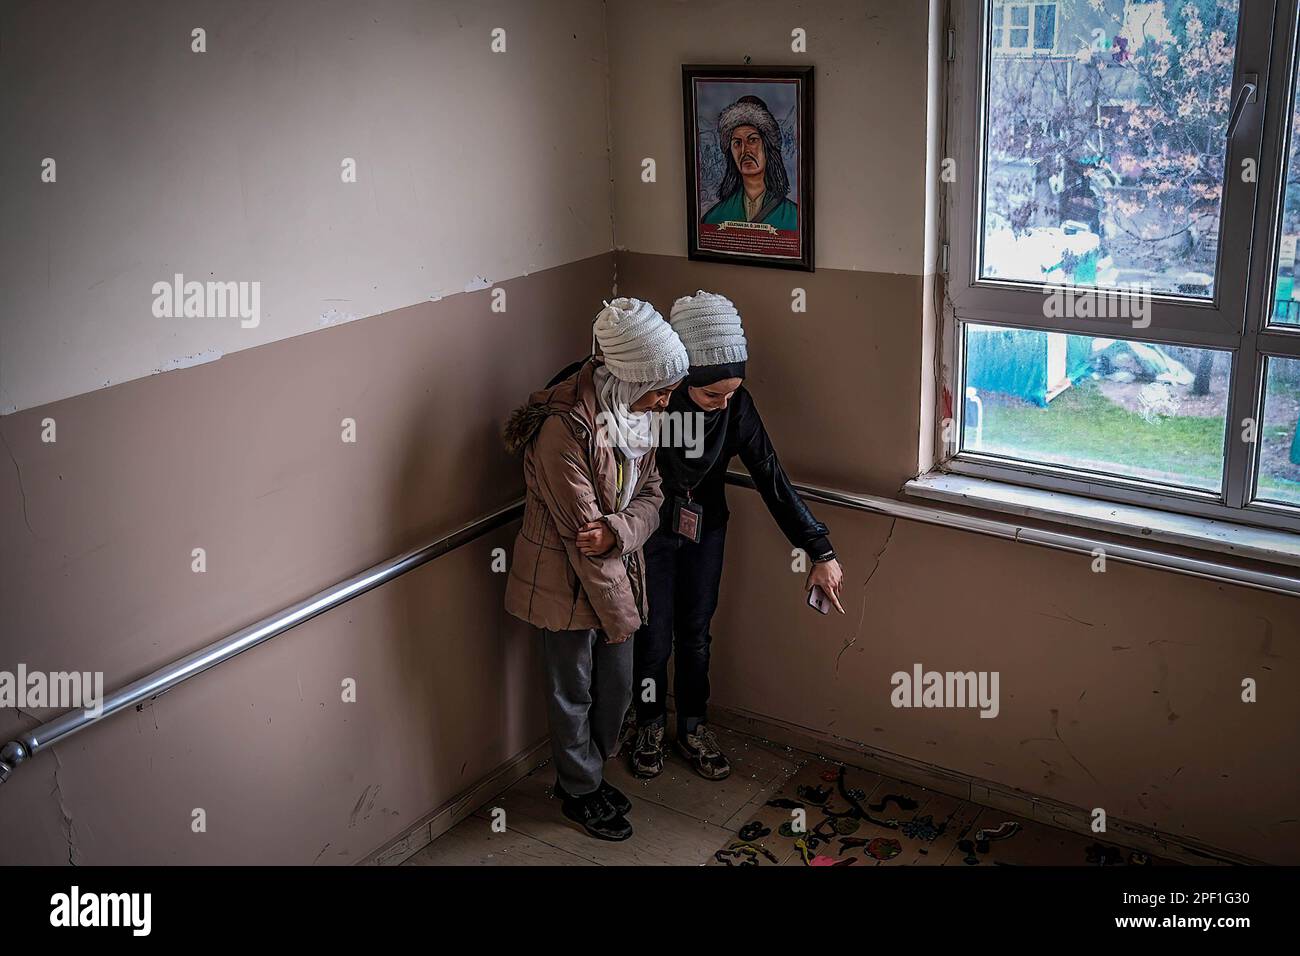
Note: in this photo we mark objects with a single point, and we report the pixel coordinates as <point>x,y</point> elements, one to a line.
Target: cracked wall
<point>1119,690</point>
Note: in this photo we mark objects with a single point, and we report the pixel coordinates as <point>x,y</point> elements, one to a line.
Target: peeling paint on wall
<point>189,361</point>
<point>298,235</point>
<point>335,317</point>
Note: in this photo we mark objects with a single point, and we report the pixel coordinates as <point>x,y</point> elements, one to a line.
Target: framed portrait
<point>749,162</point>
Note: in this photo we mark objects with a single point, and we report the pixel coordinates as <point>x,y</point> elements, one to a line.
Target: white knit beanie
<point>638,345</point>
<point>709,326</point>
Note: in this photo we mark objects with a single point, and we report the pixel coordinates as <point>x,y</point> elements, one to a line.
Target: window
<point>1096,405</point>
<point>1279,442</point>
<point>1016,24</point>
<point>1122,245</point>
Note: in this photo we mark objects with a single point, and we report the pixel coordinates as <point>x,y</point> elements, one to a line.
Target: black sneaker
<point>701,750</point>
<point>648,754</point>
<point>615,797</point>
<point>594,814</point>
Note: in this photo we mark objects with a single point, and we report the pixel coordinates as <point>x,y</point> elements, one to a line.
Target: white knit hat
<point>638,345</point>
<point>710,329</point>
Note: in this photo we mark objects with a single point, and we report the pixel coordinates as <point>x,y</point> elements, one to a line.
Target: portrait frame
<point>718,224</point>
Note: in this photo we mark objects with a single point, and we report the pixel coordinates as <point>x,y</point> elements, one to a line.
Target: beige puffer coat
<point>570,479</point>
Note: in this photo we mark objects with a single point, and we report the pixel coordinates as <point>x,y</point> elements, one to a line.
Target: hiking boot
<point>701,750</point>
<point>648,754</point>
<point>627,732</point>
<point>615,797</point>
<point>593,813</point>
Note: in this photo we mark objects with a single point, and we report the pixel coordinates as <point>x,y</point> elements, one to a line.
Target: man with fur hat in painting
<point>755,185</point>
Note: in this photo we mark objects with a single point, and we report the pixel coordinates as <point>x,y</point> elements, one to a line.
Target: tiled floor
<point>682,819</point>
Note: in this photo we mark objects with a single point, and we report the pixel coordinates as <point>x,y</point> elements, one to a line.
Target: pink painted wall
<point>243,458</point>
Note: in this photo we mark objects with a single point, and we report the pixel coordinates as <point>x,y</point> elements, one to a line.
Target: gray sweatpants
<point>588,688</point>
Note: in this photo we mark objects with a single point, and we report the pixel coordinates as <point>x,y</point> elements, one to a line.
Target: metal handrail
<point>165,678</point>
<point>1061,541</point>
<point>28,744</point>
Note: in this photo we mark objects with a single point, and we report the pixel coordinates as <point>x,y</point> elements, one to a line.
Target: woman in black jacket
<point>684,556</point>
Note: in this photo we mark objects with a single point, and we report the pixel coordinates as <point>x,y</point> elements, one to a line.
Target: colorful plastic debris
<point>884,848</point>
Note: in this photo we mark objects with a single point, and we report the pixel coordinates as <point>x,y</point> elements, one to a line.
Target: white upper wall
<point>869,88</point>
<point>472,166</point>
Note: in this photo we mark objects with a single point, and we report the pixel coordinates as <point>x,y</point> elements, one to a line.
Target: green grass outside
<point>1084,429</point>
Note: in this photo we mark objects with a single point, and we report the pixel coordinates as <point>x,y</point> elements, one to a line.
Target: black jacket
<point>745,436</point>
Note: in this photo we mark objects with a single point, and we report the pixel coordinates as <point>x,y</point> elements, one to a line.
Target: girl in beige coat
<point>592,499</point>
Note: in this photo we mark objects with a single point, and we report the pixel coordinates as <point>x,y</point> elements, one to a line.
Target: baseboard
<point>966,787</point>
<point>431,826</point>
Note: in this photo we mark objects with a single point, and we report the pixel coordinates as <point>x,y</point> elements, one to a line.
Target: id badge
<point>687,518</point>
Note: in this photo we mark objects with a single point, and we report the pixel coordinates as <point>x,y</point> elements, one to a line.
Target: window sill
<point>1149,524</point>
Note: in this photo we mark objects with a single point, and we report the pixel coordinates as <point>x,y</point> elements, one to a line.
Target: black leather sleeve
<point>792,515</point>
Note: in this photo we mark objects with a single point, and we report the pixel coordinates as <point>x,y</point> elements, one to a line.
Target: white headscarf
<point>631,434</point>
<point>642,353</point>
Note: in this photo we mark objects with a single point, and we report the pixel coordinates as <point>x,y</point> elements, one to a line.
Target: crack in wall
<point>366,803</point>
<point>893,523</point>
<point>69,828</point>
<point>1056,719</point>
<point>21,490</point>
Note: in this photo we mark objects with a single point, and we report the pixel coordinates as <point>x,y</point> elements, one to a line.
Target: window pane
<point>1279,438</point>
<point>1104,158</point>
<point>1044,26</point>
<point>1150,412</point>
<point>1286,295</point>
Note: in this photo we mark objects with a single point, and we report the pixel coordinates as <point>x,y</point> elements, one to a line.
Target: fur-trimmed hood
<point>574,396</point>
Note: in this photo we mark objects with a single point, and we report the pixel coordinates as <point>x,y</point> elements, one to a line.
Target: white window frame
<point>1236,319</point>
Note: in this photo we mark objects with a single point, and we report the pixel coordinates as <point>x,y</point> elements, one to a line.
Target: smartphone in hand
<point>818,600</point>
